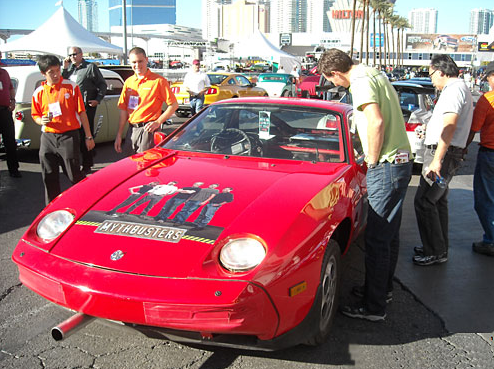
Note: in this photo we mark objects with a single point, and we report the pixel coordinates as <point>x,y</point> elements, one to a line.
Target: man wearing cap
<point>140,104</point>
<point>483,179</point>
<point>196,82</point>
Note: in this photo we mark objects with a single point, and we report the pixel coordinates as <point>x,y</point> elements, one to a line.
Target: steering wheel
<point>231,141</point>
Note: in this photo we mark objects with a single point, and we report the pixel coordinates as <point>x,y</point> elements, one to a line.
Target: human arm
<point>122,120</point>
<point>12,97</point>
<point>153,126</point>
<point>87,131</point>
<point>99,82</point>
<point>450,121</point>
<point>375,131</point>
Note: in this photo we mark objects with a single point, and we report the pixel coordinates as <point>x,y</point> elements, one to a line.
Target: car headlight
<point>52,225</point>
<point>242,254</point>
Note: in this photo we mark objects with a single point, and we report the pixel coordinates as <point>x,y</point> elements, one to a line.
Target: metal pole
<point>124,15</point>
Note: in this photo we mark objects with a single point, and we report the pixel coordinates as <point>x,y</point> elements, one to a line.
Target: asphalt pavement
<point>441,315</point>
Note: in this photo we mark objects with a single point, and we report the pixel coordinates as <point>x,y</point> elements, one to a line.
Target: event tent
<point>257,45</point>
<point>57,35</point>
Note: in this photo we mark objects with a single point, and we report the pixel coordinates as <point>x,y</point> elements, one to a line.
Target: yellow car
<point>223,86</point>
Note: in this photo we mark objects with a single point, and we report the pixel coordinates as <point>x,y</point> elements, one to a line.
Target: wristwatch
<point>89,138</point>
<point>372,165</point>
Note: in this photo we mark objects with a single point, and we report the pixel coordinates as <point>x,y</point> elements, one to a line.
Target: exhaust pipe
<point>71,325</point>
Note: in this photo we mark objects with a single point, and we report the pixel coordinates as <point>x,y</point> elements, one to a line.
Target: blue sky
<point>29,14</point>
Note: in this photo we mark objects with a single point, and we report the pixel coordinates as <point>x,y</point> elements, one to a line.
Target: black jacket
<point>89,79</point>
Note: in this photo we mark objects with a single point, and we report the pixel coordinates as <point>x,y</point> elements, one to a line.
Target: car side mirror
<point>159,137</point>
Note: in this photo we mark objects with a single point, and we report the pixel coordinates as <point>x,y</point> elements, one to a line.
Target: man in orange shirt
<point>483,179</point>
<point>57,106</point>
<point>141,104</point>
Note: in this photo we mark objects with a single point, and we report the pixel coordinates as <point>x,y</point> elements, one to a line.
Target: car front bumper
<point>201,305</point>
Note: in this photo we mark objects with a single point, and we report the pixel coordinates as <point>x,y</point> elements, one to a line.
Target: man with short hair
<point>195,202</point>
<point>7,129</point>
<point>57,106</point>
<point>93,89</point>
<point>140,104</point>
<point>196,82</point>
<point>445,139</point>
<point>381,128</point>
<point>483,179</point>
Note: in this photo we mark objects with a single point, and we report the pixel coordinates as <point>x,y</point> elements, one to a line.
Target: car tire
<point>181,114</point>
<point>328,293</point>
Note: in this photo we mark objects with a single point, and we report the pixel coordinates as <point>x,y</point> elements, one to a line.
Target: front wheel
<point>328,291</point>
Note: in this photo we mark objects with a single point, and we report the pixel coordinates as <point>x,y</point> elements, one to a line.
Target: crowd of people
<point>65,103</point>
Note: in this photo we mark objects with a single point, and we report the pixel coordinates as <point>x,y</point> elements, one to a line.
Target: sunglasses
<point>74,54</point>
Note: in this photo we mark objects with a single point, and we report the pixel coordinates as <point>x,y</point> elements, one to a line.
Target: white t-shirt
<point>196,81</point>
<point>455,98</point>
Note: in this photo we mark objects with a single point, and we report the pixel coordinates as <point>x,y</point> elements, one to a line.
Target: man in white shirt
<point>153,196</point>
<point>445,140</point>
<point>196,82</point>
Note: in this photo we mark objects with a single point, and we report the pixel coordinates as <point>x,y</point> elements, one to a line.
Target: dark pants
<point>87,156</point>
<point>431,204</point>
<point>59,149</point>
<point>7,130</point>
<point>387,186</point>
<point>170,206</point>
<point>151,199</point>
<point>483,192</point>
<point>129,200</point>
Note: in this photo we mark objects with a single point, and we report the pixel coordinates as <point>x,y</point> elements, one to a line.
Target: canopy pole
<point>124,16</point>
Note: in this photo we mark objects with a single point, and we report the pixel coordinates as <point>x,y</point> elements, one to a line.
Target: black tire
<point>181,114</point>
<point>328,294</point>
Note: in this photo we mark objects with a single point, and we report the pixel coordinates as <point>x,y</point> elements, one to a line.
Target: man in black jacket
<point>93,89</point>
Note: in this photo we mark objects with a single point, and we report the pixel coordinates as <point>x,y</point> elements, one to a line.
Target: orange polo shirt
<point>68,95</point>
<point>148,95</point>
<point>483,119</point>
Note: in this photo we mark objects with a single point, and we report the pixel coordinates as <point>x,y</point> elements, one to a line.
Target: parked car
<point>27,78</point>
<point>223,86</point>
<point>258,267</point>
<point>278,84</point>
<point>125,71</point>
<point>307,85</point>
<point>417,103</point>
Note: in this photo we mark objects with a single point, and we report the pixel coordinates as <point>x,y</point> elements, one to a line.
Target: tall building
<point>242,18</point>
<point>423,20</point>
<point>212,18</point>
<point>288,16</point>
<point>317,19</point>
<point>88,14</point>
<point>481,21</point>
<point>142,12</point>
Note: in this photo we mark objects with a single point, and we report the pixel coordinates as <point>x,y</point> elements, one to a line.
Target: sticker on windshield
<point>264,125</point>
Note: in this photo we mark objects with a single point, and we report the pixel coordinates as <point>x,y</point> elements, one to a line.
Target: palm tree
<point>394,24</point>
<point>364,3</point>
<point>353,28</point>
<point>402,25</point>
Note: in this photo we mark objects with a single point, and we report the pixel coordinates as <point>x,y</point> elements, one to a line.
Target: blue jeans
<point>196,104</point>
<point>169,208</point>
<point>189,207</point>
<point>206,214</point>
<point>386,186</point>
<point>483,192</point>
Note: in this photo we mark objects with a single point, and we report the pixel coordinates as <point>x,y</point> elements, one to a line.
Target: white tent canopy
<point>258,45</point>
<point>57,35</point>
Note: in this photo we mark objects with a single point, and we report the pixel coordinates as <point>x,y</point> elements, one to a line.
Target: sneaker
<point>360,312</point>
<point>483,248</point>
<point>430,260</point>
<point>359,292</point>
<point>419,250</point>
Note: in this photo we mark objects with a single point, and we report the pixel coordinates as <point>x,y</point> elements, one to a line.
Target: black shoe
<point>419,250</point>
<point>86,169</point>
<point>430,260</point>
<point>359,292</point>
<point>360,312</point>
<point>16,174</point>
<point>483,248</point>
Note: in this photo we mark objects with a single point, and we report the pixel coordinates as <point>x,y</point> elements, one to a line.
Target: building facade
<point>481,21</point>
<point>88,14</point>
<point>142,12</point>
<point>423,20</point>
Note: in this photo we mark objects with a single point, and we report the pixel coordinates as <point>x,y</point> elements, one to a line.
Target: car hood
<point>138,243</point>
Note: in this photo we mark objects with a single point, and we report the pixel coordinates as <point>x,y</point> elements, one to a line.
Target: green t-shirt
<point>368,85</point>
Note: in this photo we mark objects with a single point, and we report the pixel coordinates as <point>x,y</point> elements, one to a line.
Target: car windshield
<point>216,79</point>
<point>408,100</point>
<point>264,130</point>
<point>273,78</point>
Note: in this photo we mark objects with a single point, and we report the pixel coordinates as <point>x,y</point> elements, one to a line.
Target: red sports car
<point>228,232</point>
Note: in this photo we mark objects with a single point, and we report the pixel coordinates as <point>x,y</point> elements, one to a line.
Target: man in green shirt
<point>381,128</point>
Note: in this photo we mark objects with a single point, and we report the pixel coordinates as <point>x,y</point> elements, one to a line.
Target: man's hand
<point>118,144</point>
<point>434,170</point>
<point>66,62</point>
<point>90,144</point>
<point>93,103</point>
<point>152,126</point>
<point>45,119</point>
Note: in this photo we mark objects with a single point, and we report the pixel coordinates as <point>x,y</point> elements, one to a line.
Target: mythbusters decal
<point>164,212</point>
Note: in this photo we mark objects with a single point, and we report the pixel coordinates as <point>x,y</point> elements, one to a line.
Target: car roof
<point>28,76</point>
<point>419,87</point>
<point>315,103</point>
